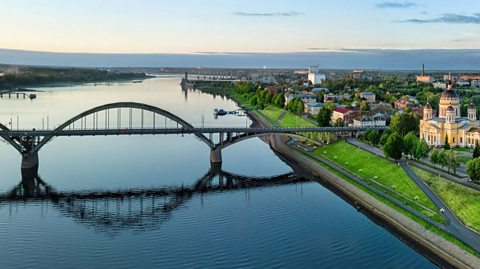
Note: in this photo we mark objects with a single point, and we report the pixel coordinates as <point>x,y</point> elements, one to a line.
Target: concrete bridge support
<point>29,169</point>
<point>216,155</point>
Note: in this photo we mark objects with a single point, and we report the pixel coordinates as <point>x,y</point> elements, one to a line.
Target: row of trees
<point>296,106</point>
<point>444,158</point>
<point>395,145</point>
<point>264,98</point>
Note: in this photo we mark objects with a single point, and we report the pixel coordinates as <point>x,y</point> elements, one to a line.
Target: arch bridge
<point>128,118</point>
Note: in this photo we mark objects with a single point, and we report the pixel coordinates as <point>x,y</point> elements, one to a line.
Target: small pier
<point>17,95</point>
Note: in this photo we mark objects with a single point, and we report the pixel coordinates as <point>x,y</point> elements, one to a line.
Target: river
<point>302,225</point>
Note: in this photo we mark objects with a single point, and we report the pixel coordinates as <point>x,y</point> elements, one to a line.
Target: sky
<point>195,26</point>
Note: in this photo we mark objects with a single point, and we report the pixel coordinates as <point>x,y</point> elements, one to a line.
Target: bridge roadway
<point>186,130</point>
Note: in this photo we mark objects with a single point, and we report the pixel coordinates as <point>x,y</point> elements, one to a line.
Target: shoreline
<point>429,244</point>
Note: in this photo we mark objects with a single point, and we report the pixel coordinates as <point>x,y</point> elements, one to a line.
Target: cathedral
<point>460,131</point>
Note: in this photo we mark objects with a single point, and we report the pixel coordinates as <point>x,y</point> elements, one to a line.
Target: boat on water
<point>219,112</point>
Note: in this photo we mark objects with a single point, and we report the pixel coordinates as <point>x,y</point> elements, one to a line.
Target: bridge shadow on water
<point>133,209</point>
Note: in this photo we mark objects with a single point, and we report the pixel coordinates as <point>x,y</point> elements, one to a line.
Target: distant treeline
<point>35,76</point>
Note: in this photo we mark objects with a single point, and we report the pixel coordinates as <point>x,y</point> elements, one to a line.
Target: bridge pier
<point>216,155</point>
<point>29,169</point>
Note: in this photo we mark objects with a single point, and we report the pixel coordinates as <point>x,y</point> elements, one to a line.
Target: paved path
<point>453,225</point>
<point>305,117</point>
<point>463,181</point>
<point>282,115</point>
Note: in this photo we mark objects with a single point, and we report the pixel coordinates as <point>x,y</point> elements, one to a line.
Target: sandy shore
<point>433,246</point>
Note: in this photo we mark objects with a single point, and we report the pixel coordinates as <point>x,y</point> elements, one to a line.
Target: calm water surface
<point>283,226</point>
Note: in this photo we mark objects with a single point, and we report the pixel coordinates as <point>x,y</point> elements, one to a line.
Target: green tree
<point>323,117</point>
<point>254,101</point>
<point>385,135</point>
<point>446,144</point>
<point>452,161</point>
<point>299,107</point>
<point>422,149</point>
<point>364,106</point>
<point>476,151</point>
<point>404,123</point>
<point>473,170</point>
<point>434,156</point>
<point>442,158</point>
<point>279,100</point>
<point>410,142</point>
<point>373,136</point>
<point>394,146</point>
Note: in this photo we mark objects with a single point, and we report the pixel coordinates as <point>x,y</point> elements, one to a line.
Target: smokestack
<point>423,70</point>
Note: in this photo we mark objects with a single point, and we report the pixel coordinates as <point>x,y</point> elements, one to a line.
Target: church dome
<point>450,109</point>
<point>427,106</point>
<point>449,94</point>
<point>471,106</point>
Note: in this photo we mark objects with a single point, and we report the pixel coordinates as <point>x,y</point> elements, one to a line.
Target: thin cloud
<point>396,5</point>
<point>335,50</point>
<point>449,18</point>
<point>269,14</point>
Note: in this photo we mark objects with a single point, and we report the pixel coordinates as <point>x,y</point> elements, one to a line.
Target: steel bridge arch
<point>10,140</point>
<point>145,107</point>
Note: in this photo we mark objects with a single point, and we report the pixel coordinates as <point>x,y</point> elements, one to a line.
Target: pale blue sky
<point>189,26</point>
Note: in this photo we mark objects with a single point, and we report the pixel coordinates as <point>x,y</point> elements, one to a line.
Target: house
<point>341,113</point>
<point>377,120</point>
<point>330,97</point>
<point>313,108</point>
<point>369,96</point>
<point>306,97</point>
<point>406,101</point>
<point>317,90</point>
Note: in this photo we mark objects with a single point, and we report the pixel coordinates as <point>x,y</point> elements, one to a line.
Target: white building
<point>476,83</point>
<point>306,97</point>
<point>369,96</point>
<point>377,120</point>
<point>313,108</point>
<point>315,76</point>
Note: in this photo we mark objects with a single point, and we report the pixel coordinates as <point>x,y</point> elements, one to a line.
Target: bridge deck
<point>199,130</point>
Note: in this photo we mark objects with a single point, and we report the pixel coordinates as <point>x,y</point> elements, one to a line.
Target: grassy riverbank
<point>464,201</point>
<point>381,174</point>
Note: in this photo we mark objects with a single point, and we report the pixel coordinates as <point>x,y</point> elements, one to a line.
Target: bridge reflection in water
<point>111,211</point>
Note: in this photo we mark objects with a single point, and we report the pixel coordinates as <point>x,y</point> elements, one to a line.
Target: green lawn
<point>292,120</point>
<point>463,149</point>
<point>463,159</point>
<point>464,201</point>
<point>368,166</point>
<point>273,112</point>
<point>289,120</point>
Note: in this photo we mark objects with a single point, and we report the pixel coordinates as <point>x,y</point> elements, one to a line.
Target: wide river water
<point>301,225</point>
